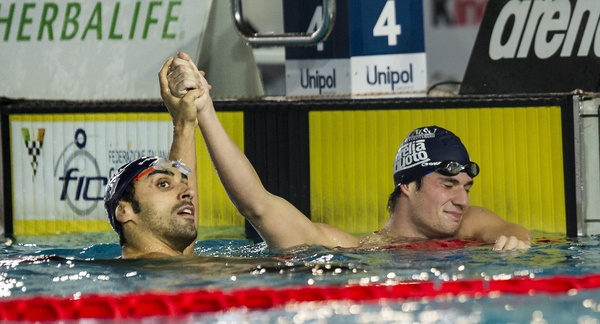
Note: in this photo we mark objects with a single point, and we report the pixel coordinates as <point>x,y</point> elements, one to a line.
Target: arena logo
<point>535,46</point>
<point>546,28</point>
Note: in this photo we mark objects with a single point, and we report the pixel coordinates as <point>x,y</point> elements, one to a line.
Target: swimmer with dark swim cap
<point>129,173</point>
<point>149,204</point>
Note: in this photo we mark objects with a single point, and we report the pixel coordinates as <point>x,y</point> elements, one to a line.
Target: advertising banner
<point>376,47</point>
<point>89,50</point>
<point>61,164</point>
<point>536,47</point>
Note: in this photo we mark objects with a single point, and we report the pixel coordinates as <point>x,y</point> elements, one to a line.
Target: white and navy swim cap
<point>129,173</point>
<point>424,149</point>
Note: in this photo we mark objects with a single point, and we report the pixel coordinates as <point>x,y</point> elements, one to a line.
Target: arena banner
<point>90,50</point>
<point>526,46</point>
<point>376,47</point>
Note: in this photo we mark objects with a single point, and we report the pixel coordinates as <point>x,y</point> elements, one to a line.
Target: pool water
<point>71,269</point>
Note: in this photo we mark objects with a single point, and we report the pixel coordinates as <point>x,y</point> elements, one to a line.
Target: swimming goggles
<point>164,164</point>
<point>452,168</point>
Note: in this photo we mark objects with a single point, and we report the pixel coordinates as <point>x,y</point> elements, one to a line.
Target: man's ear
<point>124,212</point>
<point>405,188</point>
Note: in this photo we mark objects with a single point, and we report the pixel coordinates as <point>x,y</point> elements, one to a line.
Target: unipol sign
<point>529,46</point>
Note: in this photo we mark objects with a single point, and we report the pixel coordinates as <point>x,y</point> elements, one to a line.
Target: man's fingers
<point>183,75</point>
<point>192,95</point>
<point>182,83</point>
<point>183,86</point>
<point>500,242</point>
<point>523,245</point>
<point>200,74</point>
<point>186,57</point>
<point>510,243</point>
<point>163,77</point>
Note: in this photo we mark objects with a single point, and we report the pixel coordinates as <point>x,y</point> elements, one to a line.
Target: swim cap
<point>129,173</point>
<point>423,150</point>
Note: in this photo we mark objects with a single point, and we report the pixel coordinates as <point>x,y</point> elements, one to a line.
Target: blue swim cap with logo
<point>424,149</point>
<point>129,173</point>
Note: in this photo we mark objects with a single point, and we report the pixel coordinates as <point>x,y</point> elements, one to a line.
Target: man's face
<point>166,207</point>
<point>437,208</point>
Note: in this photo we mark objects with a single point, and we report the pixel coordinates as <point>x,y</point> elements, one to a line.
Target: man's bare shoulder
<point>483,224</point>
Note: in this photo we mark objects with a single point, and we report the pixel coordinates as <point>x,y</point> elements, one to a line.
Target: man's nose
<point>186,192</point>
<point>461,198</point>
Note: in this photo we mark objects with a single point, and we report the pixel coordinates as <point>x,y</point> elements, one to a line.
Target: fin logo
<point>82,183</point>
<point>545,28</point>
<point>34,147</point>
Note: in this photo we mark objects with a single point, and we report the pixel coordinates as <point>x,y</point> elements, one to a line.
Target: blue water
<point>70,269</point>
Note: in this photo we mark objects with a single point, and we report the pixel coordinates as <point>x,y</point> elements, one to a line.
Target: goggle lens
<point>452,168</point>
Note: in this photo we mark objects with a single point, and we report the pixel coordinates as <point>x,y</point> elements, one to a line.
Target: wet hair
<point>128,196</point>
<point>396,193</point>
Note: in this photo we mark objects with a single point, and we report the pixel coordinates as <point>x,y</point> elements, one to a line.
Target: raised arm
<point>183,114</point>
<point>483,224</point>
<point>278,222</point>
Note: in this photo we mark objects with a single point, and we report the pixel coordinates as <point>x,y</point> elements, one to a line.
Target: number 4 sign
<point>376,47</point>
<point>387,25</point>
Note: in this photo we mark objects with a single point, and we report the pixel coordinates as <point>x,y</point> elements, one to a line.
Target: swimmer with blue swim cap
<point>431,149</point>
<point>432,175</point>
<point>129,173</point>
<point>149,204</point>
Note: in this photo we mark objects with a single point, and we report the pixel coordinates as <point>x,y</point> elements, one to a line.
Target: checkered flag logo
<point>34,147</point>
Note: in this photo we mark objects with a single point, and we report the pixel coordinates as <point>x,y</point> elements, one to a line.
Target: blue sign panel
<point>386,27</point>
<point>376,47</point>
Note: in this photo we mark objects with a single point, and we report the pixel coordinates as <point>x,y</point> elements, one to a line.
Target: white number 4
<point>386,24</point>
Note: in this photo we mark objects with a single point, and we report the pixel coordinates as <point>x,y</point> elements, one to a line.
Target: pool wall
<point>332,158</point>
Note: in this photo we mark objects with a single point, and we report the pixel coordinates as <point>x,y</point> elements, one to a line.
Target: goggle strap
<point>143,173</point>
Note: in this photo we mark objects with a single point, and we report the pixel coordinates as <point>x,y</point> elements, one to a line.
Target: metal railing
<point>284,39</point>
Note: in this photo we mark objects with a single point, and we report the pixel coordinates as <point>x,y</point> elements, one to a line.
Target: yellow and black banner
<point>332,159</point>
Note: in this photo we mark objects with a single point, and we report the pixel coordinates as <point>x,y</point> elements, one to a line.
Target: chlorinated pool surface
<point>556,281</point>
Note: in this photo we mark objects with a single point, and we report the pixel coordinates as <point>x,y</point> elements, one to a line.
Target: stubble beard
<point>178,231</point>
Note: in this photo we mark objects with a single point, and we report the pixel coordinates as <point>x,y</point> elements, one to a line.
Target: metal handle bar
<point>285,39</point>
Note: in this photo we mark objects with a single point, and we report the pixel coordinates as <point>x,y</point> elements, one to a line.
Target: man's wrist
<point>184,127</point>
